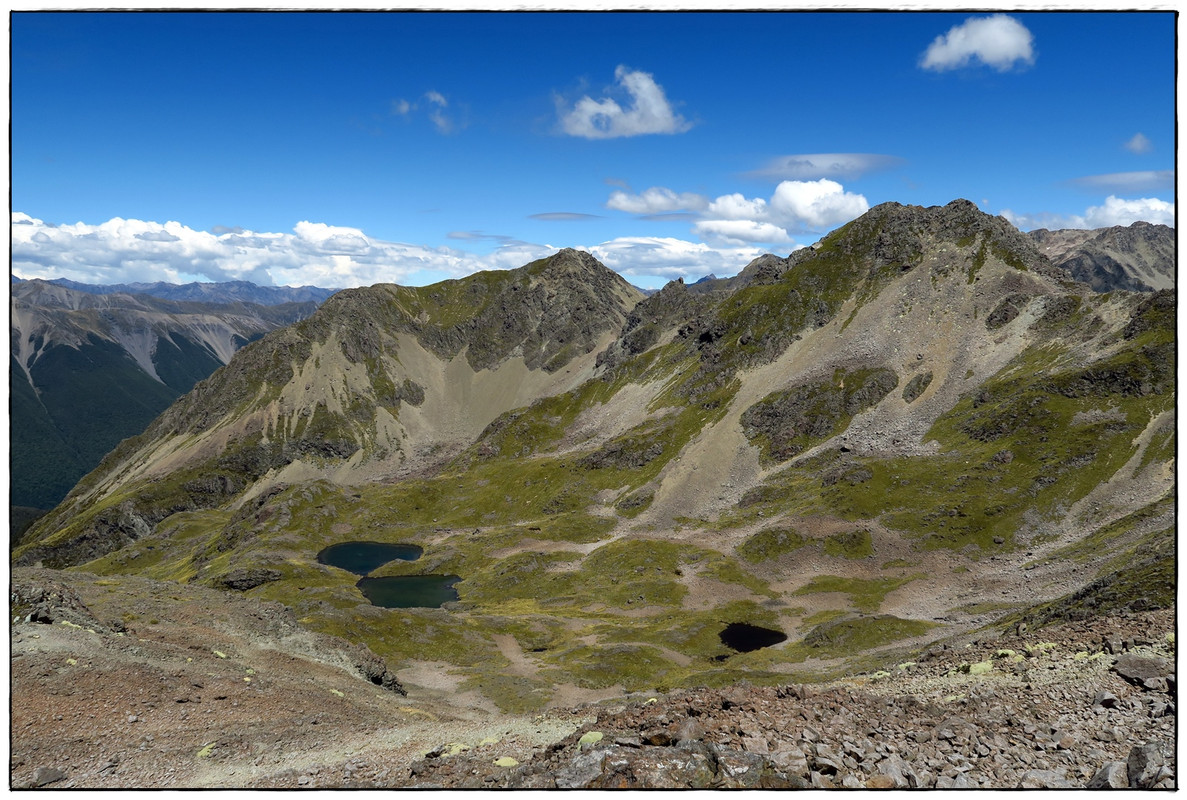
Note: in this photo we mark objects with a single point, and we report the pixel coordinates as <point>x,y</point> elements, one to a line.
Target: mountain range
<point>220,292</point>
<point>1139,257</point>
<point>90,368</point>
<point>918,426</point>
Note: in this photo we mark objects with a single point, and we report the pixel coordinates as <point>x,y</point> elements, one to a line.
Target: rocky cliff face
<point>904,433</point>
<point>1139,257</point>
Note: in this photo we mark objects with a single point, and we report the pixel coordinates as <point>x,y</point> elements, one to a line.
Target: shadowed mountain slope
<point>89,370</point>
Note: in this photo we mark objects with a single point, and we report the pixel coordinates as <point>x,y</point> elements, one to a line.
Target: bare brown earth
<point>204,688</point>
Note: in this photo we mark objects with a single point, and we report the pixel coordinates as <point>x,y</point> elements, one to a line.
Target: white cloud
<point>815,205</point>
<point>649,111</point>
<point>795,207</point>
<point>1114,211</point>
<point>670,258</point>
<point>402,107</point>
<point>736,206</point>
<point>998,41</point>
<point>656,200</point>
<point>741,231</point>
<point>126,250</point>
<point>1128,182</point>
<point>824,165</point>
<point>1139,144</point>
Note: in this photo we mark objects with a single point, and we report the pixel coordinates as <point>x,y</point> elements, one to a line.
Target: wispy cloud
<point>1113,211</point>
<point>648,111</point>
<point>563,216</point>
<point>1128,182</point>
<point>1139,144</point>
<point>824,165</point>
<point>437,104</point>
<point>999,41</point>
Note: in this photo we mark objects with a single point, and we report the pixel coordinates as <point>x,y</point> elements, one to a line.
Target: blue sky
<point>342,149</point>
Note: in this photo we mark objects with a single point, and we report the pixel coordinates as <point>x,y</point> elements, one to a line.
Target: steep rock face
<point>1139,257</point>
<point>952,429</point>
<point>89,370</point>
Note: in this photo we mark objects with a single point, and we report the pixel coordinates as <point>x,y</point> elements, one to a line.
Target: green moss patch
<point>771,543</point>
<point>856,635</point>
<point>864,595</point>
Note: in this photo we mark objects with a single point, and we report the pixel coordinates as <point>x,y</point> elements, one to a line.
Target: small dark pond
<point>362,557</point>
<point>409,591</point>
<point>743,637</point>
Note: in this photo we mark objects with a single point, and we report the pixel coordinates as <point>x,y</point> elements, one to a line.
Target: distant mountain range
<point>90,367</point>
<point>229,292</point>
<point>1139,257</point>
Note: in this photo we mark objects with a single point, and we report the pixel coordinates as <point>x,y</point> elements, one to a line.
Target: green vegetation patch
<point>633,666</point>
<point>864,594</point>
<point>854,635</point>
<point>771,543</point>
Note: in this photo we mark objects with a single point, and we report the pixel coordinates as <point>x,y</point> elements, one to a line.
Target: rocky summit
<point>893,510</point>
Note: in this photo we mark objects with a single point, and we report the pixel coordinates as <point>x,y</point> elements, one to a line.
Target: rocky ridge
<point>1138,257</point>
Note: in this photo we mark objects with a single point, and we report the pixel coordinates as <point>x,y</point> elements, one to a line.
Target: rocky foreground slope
<point>142,684</point>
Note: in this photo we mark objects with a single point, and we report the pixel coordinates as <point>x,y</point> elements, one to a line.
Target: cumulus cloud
<point>1114,211</point>
<point>998,41</point>
<point>670,258</point>
<point>815,205</point>
<point>656,200</point>
<point>741,231</point>
<point>1117,211</point>
<point>314,253</point>
<point>823,165</point>
<point>795,207</point>
<point>1139,144</point>
<point>736,207</point>
<point>647,112</point>
<point>1128,182</point>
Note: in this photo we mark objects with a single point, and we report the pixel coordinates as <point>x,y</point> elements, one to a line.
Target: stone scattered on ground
<point>223,691</point>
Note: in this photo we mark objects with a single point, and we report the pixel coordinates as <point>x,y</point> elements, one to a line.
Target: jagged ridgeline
<point>916,426</point>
